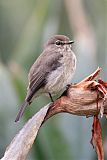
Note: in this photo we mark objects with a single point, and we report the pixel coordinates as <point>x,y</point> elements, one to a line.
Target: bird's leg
<point>51,97</point>
<point>68,85</point>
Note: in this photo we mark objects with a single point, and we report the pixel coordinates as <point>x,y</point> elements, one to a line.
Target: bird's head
<point>59,41</point>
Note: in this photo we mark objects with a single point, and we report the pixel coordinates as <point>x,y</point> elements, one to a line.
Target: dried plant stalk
<point>83,99</point>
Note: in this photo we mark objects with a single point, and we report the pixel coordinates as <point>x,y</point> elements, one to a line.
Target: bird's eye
<point>58,42</point>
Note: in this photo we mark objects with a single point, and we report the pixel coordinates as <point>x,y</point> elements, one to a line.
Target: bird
<point>51,72</point>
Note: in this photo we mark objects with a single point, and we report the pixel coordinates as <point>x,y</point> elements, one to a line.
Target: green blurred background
<point>24,27</point>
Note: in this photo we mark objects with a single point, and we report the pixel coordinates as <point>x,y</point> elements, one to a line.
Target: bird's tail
<point>21,111</point>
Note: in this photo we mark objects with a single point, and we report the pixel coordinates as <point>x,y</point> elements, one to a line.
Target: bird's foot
<point>51,97</point>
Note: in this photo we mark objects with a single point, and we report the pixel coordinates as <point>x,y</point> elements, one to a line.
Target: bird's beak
<point>70,42</point>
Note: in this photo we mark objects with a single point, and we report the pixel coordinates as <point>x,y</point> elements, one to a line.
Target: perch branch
<point>86,98</point>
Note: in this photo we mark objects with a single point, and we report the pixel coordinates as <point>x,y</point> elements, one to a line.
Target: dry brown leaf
<point>23,141</point>
<point>96,140</point>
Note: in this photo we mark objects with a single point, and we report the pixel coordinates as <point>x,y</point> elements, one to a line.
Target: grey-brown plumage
<point>52,71</point>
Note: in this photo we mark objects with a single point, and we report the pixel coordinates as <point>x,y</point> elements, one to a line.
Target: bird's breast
<point>68,67</point>
<point>62,76</point>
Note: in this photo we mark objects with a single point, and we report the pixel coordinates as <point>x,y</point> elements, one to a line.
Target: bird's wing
<point>40,70</point>
<point>46,63</point>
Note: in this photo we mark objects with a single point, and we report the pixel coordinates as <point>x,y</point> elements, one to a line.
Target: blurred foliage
<point>24,27</point>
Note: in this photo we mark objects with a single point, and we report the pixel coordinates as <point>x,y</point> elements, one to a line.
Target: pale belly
<point>62,76</point>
